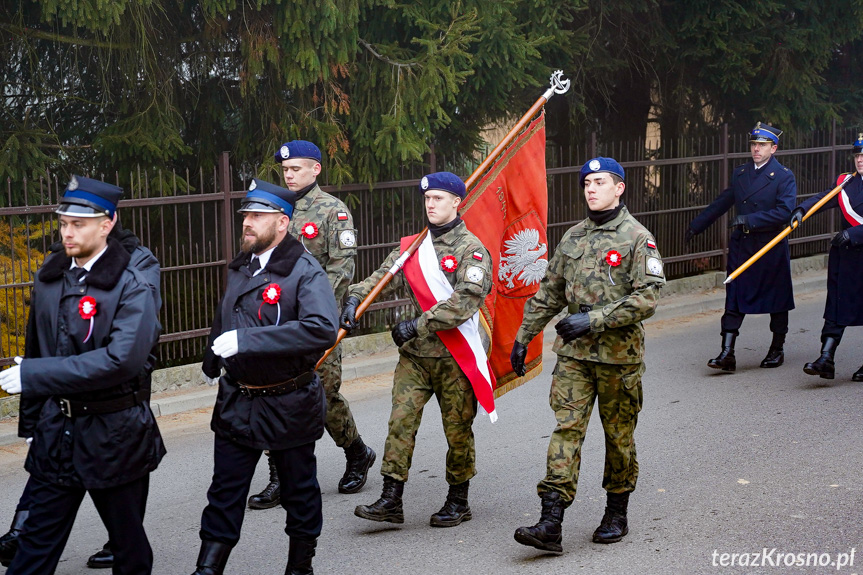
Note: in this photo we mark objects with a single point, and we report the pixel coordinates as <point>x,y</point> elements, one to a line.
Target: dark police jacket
<point>767,199</point>
<point>271,353</point>
<point>845,266</point>
<point>90,451</point>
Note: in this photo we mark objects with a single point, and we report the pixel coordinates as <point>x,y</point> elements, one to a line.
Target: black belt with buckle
<point>76,408</point>
<point>280,388</point>
<point>579,308</point>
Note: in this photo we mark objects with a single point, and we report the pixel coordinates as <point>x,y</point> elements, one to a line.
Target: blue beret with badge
<point>445,181</point>
<point>857,146</point>
<point>298,149</point>
<point>764,133</point>
<point>267,198</point>
<point>88,198</point>
<point>600,164</point>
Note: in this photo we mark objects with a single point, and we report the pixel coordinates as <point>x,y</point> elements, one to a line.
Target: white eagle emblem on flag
<point>522,260</point>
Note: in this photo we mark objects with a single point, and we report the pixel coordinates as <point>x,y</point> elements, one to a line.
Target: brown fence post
<point>723,184</point>
<point>592,153</point>
<point>227,229</point>
<point>432,159</point>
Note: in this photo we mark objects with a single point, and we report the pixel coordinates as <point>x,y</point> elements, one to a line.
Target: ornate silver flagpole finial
<point>558,85</point>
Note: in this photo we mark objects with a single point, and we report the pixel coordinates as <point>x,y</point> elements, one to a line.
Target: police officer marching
<point>607,272</point>
<point>275,321</point>
<point>844,306</point>
<point>325,228</point>
<point>92,327</point>
<point>763,193</point>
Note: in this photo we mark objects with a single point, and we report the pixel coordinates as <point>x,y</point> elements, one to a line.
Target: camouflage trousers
<point>575,386</point>
<point>416,379</point>
<point>340,421</point>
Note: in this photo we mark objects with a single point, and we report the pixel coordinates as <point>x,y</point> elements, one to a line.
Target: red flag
<point>508,211</point>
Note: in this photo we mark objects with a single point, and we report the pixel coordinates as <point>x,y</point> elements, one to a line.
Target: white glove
<point>10,379</point>
<point>226,345</point>
<point>29,440</point>
<point>211,381</point>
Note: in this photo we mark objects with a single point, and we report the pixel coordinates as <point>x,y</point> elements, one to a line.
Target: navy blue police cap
<point>88,198</point>
<point>600,164</point>
<point>298,149</point>
<point>268,198</point>
<point>445,181</point>
<point>858,144</point>
<point>764,133</point>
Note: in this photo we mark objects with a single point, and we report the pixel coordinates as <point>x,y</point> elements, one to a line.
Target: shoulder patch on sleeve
<point>342,216</point>
<point>474,274</point>
<point>654,267</point>
<point>347,239</point>
<point>651,244</point>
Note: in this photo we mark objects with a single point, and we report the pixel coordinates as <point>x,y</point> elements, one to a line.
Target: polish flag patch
<point>651,244</point>
<point>477,256</point>
<point>342,216</point>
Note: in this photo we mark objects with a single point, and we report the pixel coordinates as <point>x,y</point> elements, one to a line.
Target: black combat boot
<point>212,558</point>
<point>726,360</point>
<point>360,458</point>
<point>824,366</point>
<point>300,556</point>
<point>455,509</point>
<point>776,354</point>
<point>9,541</point>
<point>858,375</point>
<point>547,534</point>
<point>271,495</point>
<point>103,559</point>
<point>388,507</point>
<point>613,526</point>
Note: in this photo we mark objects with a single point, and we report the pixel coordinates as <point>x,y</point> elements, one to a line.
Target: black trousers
<point>52,512</point>
<point>732,320</point>
<point>234,467</point>
<point>832,329</point>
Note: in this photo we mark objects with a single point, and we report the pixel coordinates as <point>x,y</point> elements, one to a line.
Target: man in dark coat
<point>763,193</point>
<point>844,305</point>
<point>275,321</point>
<point>145,262</point>
<point>92,329</point>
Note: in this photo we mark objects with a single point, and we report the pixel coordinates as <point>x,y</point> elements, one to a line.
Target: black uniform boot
<point>360,458</point>
<point>824,366</point>
<point>726,360</point>
<point>547,534</point>
<point>9,541</point>
<point>858,375</point>
<point>455,509</point>
<point>212,558</point>
<point>613,526</point>
<point>776,354</point>
<point>388,507</point>
<point>103,559</point>
<point>300,556</point>
<point>271,495</point>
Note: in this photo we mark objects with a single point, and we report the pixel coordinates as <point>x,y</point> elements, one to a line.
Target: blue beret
<point>446,181</point>
<point>88,198</point>
<point>298,149</point>
<point>268,198</point>
<point>858,144</point>
<point>600,164</point>
<point>764,133</point>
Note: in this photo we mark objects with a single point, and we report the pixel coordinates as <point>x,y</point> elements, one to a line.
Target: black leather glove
<point>573,326</point>
<point>405,331</point>
<point>690,233</point>
<point>739,222</point>
<point>841,239</point>
<point>348,319</point>
<point>517,357</point>
<point>796,216</point>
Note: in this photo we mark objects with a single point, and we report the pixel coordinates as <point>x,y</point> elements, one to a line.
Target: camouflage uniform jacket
<point>619,297</point>
<point>335,243</point>
<point>471,283</point>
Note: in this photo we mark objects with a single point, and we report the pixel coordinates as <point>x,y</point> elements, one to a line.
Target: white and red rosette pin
<point>309,230</point>
<point>449,264</point>
<point>613,259</point>
<point>271,295</point>
<point>87,309</point>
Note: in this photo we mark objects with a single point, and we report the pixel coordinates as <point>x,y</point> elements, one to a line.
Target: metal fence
<point>189,221</point>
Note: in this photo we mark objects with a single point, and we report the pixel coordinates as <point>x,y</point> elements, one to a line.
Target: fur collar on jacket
<point>282,261</point>
<point>106,271</point>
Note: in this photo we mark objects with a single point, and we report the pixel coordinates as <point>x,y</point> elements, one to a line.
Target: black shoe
<point>9,541</point>
<point>776,354</point>
<point>103,559</point>
<point>212,558</point>
<point>300,556</point>
<point>388,507</point>
<point>360,457</point>
<point>613,526</point>
<point>547,534</point>
<point>455,509</point>
<point>858,375</point>
<point>824,366</point>
<point>726,360</point>
<point>271,495</point>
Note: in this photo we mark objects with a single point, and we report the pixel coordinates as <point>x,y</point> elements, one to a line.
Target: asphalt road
<point>730,463</point>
